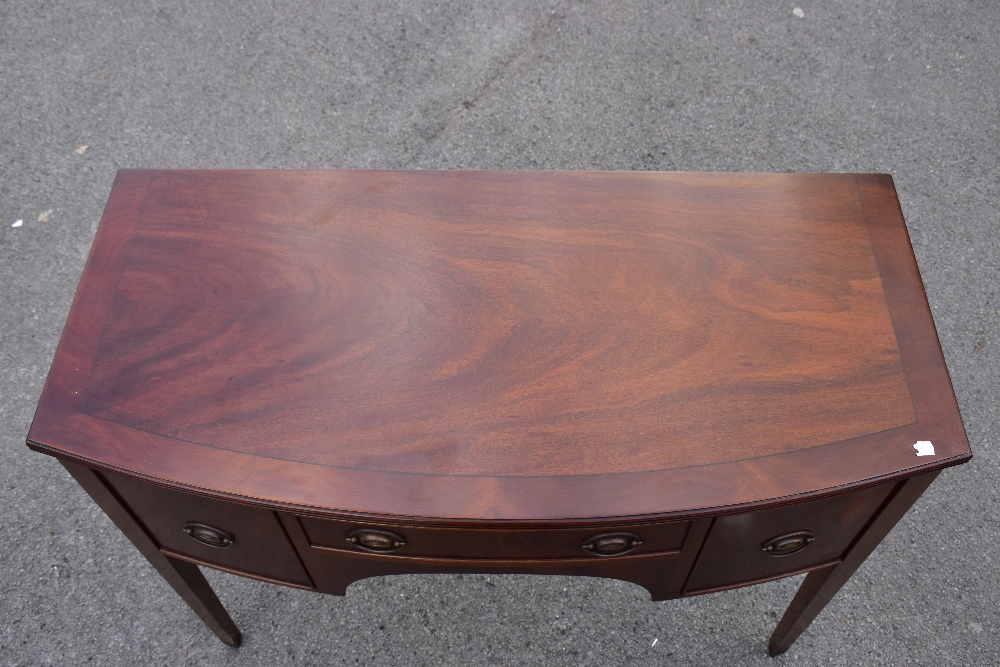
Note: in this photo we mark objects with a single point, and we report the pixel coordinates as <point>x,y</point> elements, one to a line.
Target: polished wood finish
<point>510,345</point>
<point>734,553</point>
<point>646,376</point>
<point>335,569</point>
<point>820,586</point>
<point>183,577</point>
<point>259,542</point>
<point>494,541</point>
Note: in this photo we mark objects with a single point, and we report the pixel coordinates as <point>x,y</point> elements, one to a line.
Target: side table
<point>692,382</point>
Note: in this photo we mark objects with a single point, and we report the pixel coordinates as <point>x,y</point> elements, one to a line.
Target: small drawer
<point>756,546</point>
<point>494,544</point>
<point>249,540</point>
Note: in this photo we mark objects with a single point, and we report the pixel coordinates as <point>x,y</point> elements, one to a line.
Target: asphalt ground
<point>908,88</point>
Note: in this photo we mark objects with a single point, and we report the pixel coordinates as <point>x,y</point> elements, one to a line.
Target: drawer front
<point>245,539</point>
<point>744,548</point>
<point>494,544</point>
<point>334,570</point>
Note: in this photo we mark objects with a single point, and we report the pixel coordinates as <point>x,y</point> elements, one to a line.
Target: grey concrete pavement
<point>909,88</point>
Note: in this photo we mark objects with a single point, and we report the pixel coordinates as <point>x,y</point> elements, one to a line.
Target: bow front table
<point>692,382</point>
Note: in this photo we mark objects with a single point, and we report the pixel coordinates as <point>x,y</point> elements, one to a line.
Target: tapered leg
<point>820,586</point>
<point>185,577</point>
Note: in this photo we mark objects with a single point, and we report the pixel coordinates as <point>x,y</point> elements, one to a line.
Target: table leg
<point>820,586</point>
<point>184,577</point>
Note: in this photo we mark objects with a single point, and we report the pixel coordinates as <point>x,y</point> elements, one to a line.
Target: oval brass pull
<point>378,541</point>
<point>208,535</point>
<point>786,545</point>
<point>611,544</point>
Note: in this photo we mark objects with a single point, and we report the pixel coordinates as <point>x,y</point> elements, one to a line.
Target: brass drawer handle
<point>208,535</point>
<point>611,544</point>
<point>377,541</point>
<point>786,545</point>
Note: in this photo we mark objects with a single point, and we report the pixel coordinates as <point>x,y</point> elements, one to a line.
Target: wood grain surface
<point>501,345</point>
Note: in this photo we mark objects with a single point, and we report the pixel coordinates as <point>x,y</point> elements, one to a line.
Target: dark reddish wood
<point>334,569</point>
<point>260,547</point>
<point>502,345</point>
<point>926,372</point>
<point>494,368</point>
<point>184,577</point>
<point>733,554</point>
<point>449,325</point>
<point>820,586</point>
<point>693,543</point>
<point>496,541</point>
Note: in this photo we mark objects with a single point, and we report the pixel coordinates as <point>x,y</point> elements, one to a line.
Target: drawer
<point>183,524</point>
<point>756,546</point>
<point>335,570</point>
<point>417,541</point>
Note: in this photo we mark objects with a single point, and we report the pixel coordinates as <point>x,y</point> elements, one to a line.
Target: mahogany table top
<point>517,346</point>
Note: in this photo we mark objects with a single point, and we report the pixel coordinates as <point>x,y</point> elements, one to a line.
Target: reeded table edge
<point>553,522</point>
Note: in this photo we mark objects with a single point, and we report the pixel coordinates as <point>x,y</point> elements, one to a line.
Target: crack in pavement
<point>512,63</point>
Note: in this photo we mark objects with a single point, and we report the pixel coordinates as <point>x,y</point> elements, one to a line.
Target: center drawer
<point>494,544</point>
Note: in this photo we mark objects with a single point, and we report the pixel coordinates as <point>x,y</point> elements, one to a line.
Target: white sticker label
<point>924,448</point>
